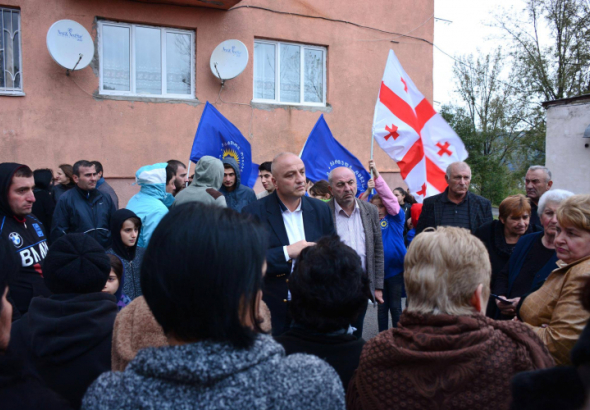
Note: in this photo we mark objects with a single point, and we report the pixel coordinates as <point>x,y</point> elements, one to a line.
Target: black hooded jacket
<point>66,340</point>
<point>28,236</point>
<point>131,257</point>
<point>22,390</point>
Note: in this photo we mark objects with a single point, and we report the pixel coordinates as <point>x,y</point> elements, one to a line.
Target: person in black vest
<point>84,209</point>
<point>24,231</point>
<point>66,338</point>
<point>294,222</point>
<point>456,206</point>
<point>329,290</point>
<point>19,388</point>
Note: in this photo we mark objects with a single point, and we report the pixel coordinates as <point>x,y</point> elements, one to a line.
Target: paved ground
<point>370,328</point>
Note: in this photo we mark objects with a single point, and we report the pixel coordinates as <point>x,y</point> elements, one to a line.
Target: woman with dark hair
<point>406,201</point>
<point>125,231</point>
<point>19,388</point>
<point>44,204</point>
<point>201,278</point>
<point>328,291</point>
<point>64,181</point>
<point>321,190</point>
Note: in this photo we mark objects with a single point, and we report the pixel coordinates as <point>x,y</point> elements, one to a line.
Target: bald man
<point>294,222</point>
<point>357,223</point>
<point>456,206</point>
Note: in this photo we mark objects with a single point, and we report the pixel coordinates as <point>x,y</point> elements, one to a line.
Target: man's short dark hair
<point>174,163</point>
<point>228,166</point>
<point>43,178</point>
<point>98,167</point>
<point>265,166</point>
<point>169,173</point>
<point>205,297</point>
<point>82,163</point>
<point>329,287</point>
<point>23,172</point>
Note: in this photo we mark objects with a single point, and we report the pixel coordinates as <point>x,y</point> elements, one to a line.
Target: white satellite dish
<point>229,59</point>
<point>70,44</point>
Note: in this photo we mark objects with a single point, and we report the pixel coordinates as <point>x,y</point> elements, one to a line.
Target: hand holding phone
<point>501,299</point>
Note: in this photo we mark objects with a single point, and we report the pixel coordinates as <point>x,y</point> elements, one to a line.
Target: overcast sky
<point>467,32</point>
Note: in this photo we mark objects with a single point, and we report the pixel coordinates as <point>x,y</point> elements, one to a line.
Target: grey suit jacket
<point>373,241</point>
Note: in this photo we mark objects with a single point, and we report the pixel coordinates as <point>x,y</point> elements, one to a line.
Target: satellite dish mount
<point>70,45</point>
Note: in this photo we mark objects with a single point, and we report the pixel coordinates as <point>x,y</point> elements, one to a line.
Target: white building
<point>568,143</point>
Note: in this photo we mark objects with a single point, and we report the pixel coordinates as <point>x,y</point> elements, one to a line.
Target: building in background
<point>568,143</point>
<point>141,98</point>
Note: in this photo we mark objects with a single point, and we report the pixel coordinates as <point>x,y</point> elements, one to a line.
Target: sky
<point>468,32</point>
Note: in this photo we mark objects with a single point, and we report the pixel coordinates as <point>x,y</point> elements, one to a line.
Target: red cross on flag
<point>423,144</point>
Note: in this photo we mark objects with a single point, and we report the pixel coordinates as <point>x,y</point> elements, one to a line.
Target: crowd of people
<point>202,294</point>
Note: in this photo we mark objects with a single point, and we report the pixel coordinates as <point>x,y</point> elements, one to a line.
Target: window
<point>11,81</point>
<point>286,73</point>
<point>139,60</point>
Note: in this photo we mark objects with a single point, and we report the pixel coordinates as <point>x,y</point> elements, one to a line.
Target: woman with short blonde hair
<point>445,353</point>
<point>555,311</point>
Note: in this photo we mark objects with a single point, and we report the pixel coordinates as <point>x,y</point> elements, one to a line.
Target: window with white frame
<point>288,73</point>
<point>11,81</point>
<point>138,60</point>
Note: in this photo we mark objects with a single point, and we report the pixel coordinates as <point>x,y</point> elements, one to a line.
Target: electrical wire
<point>219,99</point>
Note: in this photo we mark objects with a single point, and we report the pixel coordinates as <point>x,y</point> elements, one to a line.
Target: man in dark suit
<point>456,206</point>
<point>357,224</point>
<point>294,222</point>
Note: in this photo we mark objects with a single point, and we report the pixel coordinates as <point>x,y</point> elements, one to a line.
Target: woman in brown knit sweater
<point>445,354</point>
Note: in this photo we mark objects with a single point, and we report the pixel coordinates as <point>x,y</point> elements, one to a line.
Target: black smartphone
<point>501,299</point>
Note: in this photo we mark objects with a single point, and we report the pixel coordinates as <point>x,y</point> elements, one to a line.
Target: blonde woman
<point>555,311</point>
<point>445,352</point>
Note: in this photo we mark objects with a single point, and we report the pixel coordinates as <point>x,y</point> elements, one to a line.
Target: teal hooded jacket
<point>152,201</point>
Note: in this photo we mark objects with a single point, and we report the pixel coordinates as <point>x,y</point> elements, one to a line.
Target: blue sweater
<point>394,250</point>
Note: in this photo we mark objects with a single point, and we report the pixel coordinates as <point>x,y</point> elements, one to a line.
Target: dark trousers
<point>392,297</point>
<point>358,324</point>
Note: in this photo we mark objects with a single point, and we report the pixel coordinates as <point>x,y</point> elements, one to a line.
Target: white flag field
<point>415,136</point>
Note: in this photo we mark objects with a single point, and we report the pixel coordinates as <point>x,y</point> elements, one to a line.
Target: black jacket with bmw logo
<point>28,237</point>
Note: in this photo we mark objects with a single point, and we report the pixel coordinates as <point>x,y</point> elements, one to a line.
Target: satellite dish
<point>229,59</point>
<point>70,44</point>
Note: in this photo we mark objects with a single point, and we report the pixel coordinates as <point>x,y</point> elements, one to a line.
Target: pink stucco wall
<point>61,120</point>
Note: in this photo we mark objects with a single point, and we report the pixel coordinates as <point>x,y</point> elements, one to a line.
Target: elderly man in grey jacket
<point>206,182</point>
<point>357,224</point>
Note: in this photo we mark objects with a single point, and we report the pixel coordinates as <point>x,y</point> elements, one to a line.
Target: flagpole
<point>372,145</point>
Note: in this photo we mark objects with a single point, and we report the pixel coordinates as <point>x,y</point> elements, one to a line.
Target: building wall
<point>567,157</point>
<point>62,119</point>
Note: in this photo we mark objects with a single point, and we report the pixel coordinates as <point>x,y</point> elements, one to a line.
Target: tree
<point>490,122</point>
<point>560,68</point>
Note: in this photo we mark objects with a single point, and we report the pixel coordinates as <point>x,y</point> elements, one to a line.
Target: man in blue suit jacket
<point>294,222</point>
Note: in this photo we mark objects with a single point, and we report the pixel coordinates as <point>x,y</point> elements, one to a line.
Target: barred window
<point>11,82</point>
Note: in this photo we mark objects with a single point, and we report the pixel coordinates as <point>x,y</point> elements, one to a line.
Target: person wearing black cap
<point>24,231</point>
<point>66,338</point>
<point>19,388</point>
<point>125,229</point>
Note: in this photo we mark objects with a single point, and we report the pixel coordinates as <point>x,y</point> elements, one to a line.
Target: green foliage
<point>500,117</point>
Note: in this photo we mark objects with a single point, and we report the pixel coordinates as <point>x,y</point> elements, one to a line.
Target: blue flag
<point>322,153</point>
<point>219,138</point>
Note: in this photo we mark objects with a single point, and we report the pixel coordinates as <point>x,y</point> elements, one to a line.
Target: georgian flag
<point>415,136</point>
